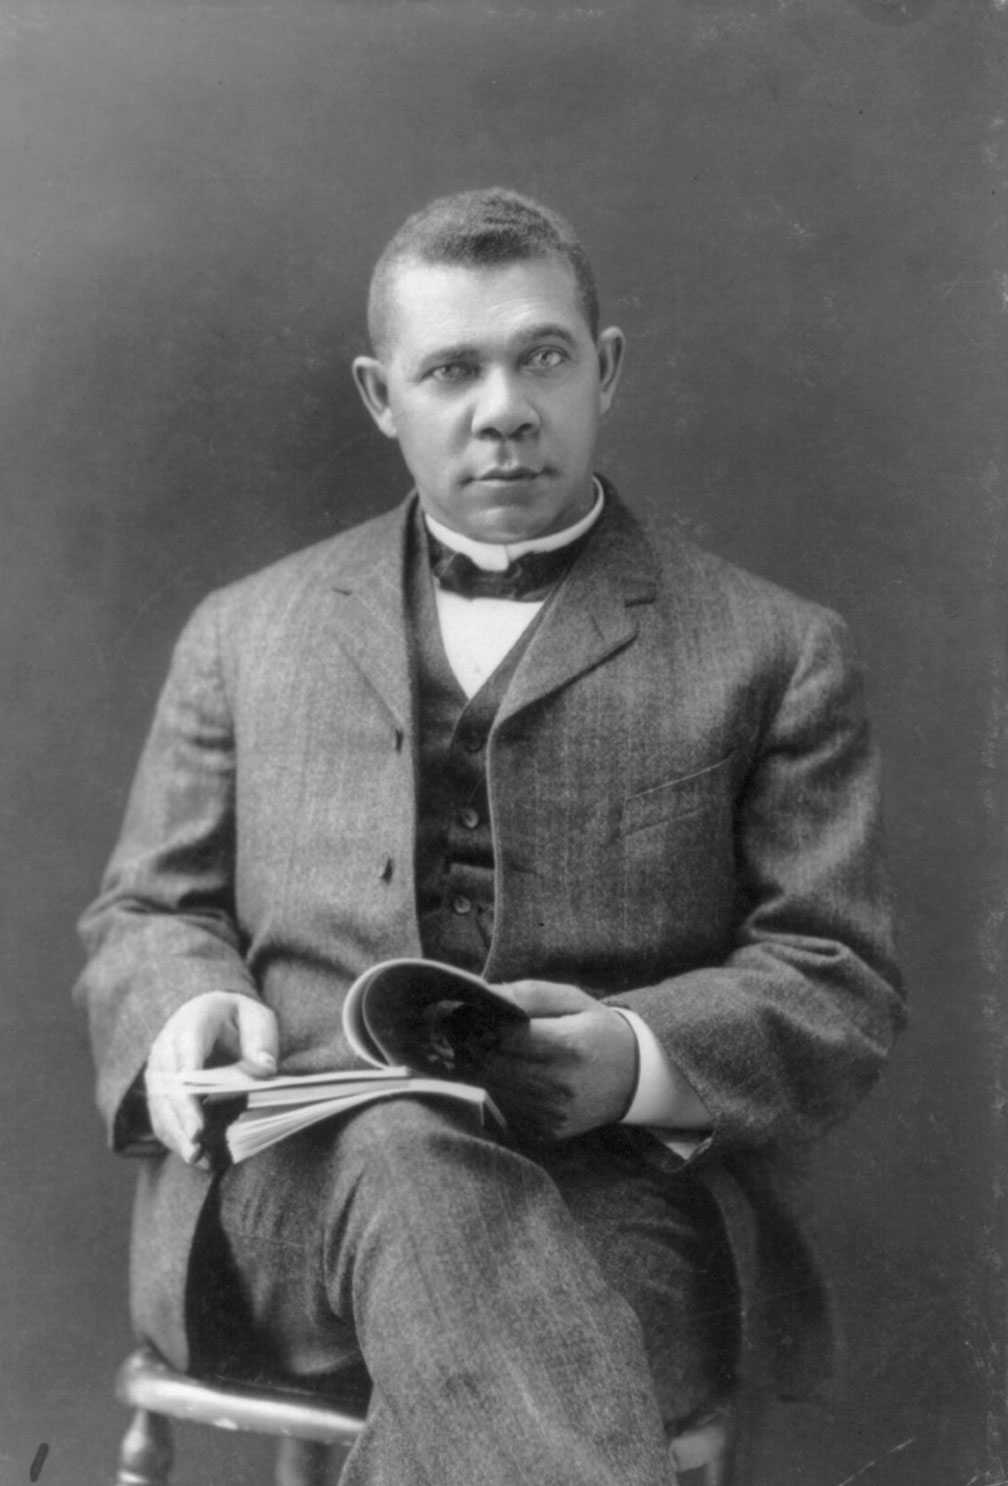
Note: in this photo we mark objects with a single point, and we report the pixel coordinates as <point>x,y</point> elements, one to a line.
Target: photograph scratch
<point>865,1469</point>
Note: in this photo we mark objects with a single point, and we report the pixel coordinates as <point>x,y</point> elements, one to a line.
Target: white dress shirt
<point>477,635</point>
<point>479,632</point>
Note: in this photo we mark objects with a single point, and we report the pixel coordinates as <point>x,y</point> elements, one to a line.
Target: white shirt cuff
<point>663,1097</point>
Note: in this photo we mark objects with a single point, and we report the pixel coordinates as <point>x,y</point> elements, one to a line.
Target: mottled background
<point>798,212</point>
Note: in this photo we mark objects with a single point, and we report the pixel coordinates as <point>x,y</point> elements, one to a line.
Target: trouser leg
<point>499,1349</point>
<point>659,1241</point>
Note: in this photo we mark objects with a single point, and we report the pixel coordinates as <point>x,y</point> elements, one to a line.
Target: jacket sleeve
<point>163,929</point>
<point>781,1039</point>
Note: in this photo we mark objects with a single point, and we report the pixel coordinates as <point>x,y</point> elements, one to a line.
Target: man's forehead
<point>431,301</point>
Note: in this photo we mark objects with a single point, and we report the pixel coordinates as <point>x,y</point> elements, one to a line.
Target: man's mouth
<point>508,474</point>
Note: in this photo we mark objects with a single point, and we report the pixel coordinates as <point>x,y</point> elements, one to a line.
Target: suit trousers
<point>525,1313</point>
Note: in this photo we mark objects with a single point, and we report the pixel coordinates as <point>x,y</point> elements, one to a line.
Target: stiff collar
<point>495,557</point>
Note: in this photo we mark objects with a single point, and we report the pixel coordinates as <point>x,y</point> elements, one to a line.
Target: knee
<point>405,1123</point>
<point>405,1174</point>
<point>406,1145</point>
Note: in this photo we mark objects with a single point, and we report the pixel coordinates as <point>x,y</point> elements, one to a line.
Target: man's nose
<point>503,409</point>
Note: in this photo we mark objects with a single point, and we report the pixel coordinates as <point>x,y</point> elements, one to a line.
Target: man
<point>502,727</point>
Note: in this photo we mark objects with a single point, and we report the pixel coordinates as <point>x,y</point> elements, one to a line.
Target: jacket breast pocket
<point>677,868</point>
<point>675,799</point>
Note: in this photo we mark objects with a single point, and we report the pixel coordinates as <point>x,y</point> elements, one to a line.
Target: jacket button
<point>461,905</point>
<point>469,817</point>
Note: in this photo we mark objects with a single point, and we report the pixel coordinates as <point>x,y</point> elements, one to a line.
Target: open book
<point>421,1026</point>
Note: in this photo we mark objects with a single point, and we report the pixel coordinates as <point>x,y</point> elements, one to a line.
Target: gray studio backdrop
<point>798,212</point>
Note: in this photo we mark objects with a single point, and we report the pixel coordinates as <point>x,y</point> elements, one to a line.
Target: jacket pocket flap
<point>686,795</point>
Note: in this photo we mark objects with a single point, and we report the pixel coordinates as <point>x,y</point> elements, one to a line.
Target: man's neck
<point>496,556</point>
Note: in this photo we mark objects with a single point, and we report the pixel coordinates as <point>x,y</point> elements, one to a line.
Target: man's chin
<point>498,525</point>
<point>504,513</point>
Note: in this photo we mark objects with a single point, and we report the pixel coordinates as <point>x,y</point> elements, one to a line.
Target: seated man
<point>502,727</point>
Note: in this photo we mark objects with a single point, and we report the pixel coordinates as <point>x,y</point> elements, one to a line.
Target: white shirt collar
<point>494,557</point>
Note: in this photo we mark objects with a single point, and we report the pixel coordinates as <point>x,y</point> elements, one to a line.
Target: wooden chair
<point>307,1426</point>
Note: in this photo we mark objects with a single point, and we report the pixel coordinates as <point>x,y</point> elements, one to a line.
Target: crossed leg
<point>524,1314</point>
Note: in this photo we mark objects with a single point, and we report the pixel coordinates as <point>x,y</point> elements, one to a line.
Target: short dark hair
<point>478,229</point>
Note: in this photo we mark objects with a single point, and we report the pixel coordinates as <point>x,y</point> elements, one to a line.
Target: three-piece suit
<point>685,822</point>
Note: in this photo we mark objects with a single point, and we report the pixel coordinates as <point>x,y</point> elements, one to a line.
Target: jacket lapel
<point>366,583</point>
<point>591,616</point>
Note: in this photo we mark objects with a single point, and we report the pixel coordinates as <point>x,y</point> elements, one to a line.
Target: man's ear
<point>372,384</point>
<point>611,344</point>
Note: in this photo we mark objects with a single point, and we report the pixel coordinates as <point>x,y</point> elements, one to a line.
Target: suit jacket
<point>685,816</point>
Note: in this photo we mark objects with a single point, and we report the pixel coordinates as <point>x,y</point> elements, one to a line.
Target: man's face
<point>494,388</point>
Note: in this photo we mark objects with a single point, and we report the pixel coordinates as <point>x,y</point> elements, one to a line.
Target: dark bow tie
<point>527,579</point>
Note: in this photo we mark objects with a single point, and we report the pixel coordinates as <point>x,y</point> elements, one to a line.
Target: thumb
<point>549,998</point>
<point>257,1037</point>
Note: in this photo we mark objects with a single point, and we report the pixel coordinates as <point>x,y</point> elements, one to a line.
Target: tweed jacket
<point>684,808</point>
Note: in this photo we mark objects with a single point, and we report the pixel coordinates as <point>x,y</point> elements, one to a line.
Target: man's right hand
<point>219,1022</point>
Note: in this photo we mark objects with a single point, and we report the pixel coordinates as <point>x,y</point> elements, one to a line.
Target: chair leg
<point>740,1467</point>
<point>302,1463</point>
<point>715,1472</point>
<point>146,1454</point>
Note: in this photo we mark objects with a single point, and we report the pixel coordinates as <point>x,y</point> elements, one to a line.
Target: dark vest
<point>455,850</point>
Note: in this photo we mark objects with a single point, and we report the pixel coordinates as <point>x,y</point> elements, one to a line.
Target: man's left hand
<point>571,1068</point>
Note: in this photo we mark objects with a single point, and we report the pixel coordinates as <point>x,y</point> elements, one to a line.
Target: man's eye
<point>451,371</point>
<point>546,358</point>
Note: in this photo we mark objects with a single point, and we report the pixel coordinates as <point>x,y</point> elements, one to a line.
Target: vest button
<point>472,742</point>
<point>469,817</point>
<point>461,905</point>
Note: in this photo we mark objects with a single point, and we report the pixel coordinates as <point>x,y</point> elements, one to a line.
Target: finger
<point>531,1122</point>
<point>514,1082</point>
<point>515,1043</point>
<point>540,1043</point>
<point>177,1121</point>
<point>543,998</point>
<point>517,1073</point>
<point>528,1132</point>
<point>526,1123</point>
<point>257,1037</point>
<point>528,1098</point>
<point>176,1116</point>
